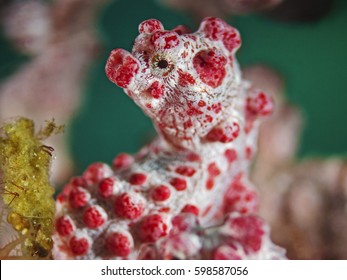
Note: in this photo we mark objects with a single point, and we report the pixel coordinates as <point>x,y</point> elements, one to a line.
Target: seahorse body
<point>169,200</point>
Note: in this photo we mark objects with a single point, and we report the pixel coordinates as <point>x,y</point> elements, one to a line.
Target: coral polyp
<point>187,194</point>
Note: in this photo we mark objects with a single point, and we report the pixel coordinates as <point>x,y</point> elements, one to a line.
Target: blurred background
<point>52,60</point>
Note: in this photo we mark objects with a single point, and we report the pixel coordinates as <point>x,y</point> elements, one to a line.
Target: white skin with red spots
<point>194,176</point>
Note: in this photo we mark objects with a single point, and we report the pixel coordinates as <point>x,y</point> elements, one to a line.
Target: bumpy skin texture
<point>187,194</point>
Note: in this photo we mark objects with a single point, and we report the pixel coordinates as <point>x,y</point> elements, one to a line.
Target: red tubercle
<point>217,108</point>
<point>231,155</point>
<point>259,105</point>
<point>64,226</point>
<point>217,29</point>
<point>94,217</point>
<point>190,208</point>
<point>152,228</point>
<point>185,170</point>
<point>96,172</point>
<point>119,244</point>
<point>246,229</point>
<point>122,161</point>
<point>151,25</point>
<point>79,244</point>
<point>160,193</point>
<point>164,210</point>
<point>208,118</point>
<point>121,67</point>
<point>210,67</point>
<point>79,197</point>
<point>128,207</point>
<point>137,179</point>
<point>178,183</point>
<point>106,187</point>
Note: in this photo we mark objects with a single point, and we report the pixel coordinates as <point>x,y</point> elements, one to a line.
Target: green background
<point>311,57</point>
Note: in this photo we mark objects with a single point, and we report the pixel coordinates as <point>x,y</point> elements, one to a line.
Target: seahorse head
<point>181,80</point>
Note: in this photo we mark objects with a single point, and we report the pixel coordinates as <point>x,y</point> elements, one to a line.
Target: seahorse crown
<point>181,80</point>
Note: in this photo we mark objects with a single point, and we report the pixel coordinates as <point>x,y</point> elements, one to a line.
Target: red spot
<point>79,245</point>
<point>189,208</point>
<point>118,244</point>
<point>183,222</point>
<point>226,252</point>
<point>150,26</point>
<point>152,228</point>
<point>224,134</point>
<point>165,209</point>
<point>96,172</point>
<point>210,67</point>
<point>213,169</point>
<point>127,207</point>
<point>185,79</point>
<point>217,108</point>
<point>179,184</point>
<point>156,90</point>
<point>121,67</point>
<point>79,197</point>
<point>160,193</point>
<point>248,230</point>
<point>208,118</point>
<point>122,161</point>
<point>192,111</point>
<point>210,183</point>
<point>138,179</point>
<point>94,217</point>
<point>193,157</point>
<point>185,170</point>
<point>260,105</point>
<point>188,124</point>
<point>106,187</point>
<point>201,103</point>
<point>165,39</point>
<point>64,226</point>
<point>248,153</point>
<point>230,155</point>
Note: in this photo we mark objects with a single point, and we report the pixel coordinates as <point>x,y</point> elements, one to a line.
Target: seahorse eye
<point>162,64</point>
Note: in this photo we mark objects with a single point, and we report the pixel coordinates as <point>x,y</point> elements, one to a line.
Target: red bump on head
<point>210,67</point>
<point>165,40</point>
<point>259,105</point>
<point>79,197</point>
<point>121,67</point>
<point>122,161</point>
<point>150,26</point>
<point>217,29</point>
<point>106,187</point>
<point>190,208</point>
<point>179,184</point>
